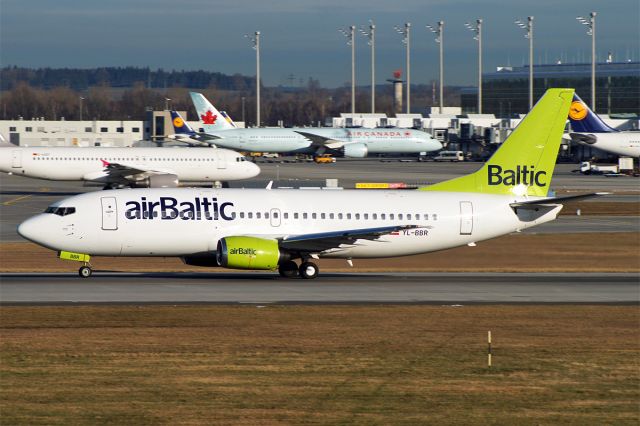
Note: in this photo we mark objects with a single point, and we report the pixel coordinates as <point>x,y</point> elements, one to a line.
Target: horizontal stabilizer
<point>557,200</point>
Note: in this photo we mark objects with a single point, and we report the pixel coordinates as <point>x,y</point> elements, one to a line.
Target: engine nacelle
<point>248,253</point>
<point>158,181</point>
<point>355,150</point>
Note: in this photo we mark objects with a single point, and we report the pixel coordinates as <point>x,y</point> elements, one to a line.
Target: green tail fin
<point>524,164</point>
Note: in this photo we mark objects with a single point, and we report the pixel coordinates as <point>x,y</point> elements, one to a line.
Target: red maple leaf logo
<point>209,118</point>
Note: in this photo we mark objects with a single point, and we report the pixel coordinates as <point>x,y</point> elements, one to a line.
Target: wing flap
<point>329,240</point>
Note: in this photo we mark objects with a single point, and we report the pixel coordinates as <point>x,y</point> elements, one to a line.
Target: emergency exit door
<point>109,213</point>
<point>466,218</point>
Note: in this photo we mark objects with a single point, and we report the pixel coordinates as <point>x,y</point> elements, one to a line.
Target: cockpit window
<point>61,211</point>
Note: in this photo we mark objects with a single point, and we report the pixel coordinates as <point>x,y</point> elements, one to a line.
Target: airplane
<point>122,167</point>
<point>269,229</point>
<point>589,129</point>
<point>354,143</point>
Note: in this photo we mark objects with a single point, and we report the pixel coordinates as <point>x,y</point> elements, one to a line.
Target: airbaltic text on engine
<point>168,208</point>
<point>521,175</point>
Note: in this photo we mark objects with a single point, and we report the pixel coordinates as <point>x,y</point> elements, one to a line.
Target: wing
<point>123,173</point>
<point>329,240</point>
<point>555,200</point>
<point>320,141</point>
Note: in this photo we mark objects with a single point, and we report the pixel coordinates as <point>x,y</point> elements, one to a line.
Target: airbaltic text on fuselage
<point>521,175</point>
<point>169,208</point>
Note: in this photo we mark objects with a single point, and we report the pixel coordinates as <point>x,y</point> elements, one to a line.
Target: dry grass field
<point>369,365</point>
<point>593,252</point>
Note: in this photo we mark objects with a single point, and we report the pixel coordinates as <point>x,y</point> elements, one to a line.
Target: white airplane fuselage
<point>185,221</point>
<point>88,164</point>
<point>280,140</point>
<point>625,144</point>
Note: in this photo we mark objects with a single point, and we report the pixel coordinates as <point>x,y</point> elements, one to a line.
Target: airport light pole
<point>528,27</point>
<point>439,32</point>
<point>477,30</point>
<point>81,99</point>
<point>405,32</point>
<point>591,31</point>
<point>166,103</point>
<point>255,44</point>
<point>371,35</point>
<point>349,34</point>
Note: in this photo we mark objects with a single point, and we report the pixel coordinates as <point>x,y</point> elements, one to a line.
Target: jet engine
<point>249,253</point>
<point>158,181</point>
<point>355,150</point>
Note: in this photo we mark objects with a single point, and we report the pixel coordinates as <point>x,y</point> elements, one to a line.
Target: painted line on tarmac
<point>15,200</point>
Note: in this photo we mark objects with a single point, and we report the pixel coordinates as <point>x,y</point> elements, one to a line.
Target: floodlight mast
<point>349,34</point>
<point>477,30</point>
<point>439,32</point>
<point>405,32</point>
<point>370,33</point>
<point>255,44</point>
<point>528,27</point>
<point>591,31</point>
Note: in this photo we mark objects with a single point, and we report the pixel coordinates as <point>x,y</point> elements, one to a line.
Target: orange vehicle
<point>324,158</point>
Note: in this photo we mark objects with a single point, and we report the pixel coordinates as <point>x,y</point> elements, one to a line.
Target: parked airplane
<point>269,229</point>
<point>589,129</point>
<point>356,142</point>
<point>120,167</point>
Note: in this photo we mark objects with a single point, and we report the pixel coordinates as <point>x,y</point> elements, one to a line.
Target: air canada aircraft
<point>351,142</point>
<point>269,229</point>
<point>122,167</point>
<point>589,129</point>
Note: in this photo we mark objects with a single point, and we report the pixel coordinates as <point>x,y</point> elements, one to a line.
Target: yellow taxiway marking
<point>15,200</point>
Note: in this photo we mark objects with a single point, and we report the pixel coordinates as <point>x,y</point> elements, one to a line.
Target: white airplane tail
<point>210,118</point>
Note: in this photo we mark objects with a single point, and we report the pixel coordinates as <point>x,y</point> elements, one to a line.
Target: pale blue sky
<point>301,37</point>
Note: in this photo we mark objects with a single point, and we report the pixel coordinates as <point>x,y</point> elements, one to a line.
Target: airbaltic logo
<point>168,208</point>
<point>521,175</point>
<point>244,251</point>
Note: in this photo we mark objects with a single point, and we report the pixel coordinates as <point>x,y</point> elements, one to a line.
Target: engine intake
<point>355,150</point>
<point>249,253</point>
<point>158,181</point>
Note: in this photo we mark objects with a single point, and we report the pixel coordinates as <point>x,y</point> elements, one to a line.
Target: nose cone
<point>252,169</point>
<point>30,229</point>
<point>434,144</point>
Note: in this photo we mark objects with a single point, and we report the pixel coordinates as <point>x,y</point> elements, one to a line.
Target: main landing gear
<point>307,270</point>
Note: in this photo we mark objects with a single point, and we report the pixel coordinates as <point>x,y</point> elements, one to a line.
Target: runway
<point>269,288</point>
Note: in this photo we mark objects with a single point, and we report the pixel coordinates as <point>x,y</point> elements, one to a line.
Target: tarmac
<point>330,288</point>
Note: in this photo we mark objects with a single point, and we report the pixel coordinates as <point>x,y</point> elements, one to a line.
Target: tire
<point>288,269</point>
<point>308,270</point>
<point>85,272</point>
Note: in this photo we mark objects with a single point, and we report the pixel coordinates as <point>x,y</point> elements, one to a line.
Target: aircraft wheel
<point>85,271</point>
<point>308,270</point>
<point>288,269</point>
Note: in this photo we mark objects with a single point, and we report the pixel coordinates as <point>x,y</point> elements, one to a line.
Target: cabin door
<point>109,213</point>
<point>16,158</point>
<point>466,218</point>
<point>220,159</point>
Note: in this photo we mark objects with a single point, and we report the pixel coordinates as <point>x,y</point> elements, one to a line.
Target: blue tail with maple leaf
<point>210,117</point>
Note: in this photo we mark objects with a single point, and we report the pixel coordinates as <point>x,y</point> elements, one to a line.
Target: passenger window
<point>241,215</point>
<point>339,215</point>
<point>331,215</point>
<point>266,215</point>
<point>435,216</point>
<point>322,215</point>
<point>348,215</point>
<point>285,215</point>
<point>374,216</point>
<point>357,216</point>
<point>382,216</point>
<point>295,215</point>
<point>399,216</point>
<point>391,216</point>
<point>366,216</point>
<point>250,215</point>
<point>304,215</point>
<point>314,215</point>
<point>408,216</point>
<point>258,215</point>
<point>426,216</point>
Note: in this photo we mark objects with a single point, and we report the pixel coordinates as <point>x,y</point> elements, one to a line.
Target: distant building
<point>505,92</point>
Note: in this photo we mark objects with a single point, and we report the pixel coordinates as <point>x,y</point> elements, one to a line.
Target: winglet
<point>269,185</point>
<point>105,163</point>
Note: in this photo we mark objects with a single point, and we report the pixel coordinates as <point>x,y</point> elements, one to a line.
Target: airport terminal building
<point>505,92</point>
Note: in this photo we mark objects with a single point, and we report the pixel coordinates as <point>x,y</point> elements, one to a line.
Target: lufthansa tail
<point>584,120</point>
<point>210,117</point>
<point>523,165</point>
<point>180,127</point>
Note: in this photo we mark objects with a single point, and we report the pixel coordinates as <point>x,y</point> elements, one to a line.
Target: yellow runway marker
<point>15,200</point>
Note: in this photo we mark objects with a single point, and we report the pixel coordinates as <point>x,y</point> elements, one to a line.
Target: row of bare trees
<point>301,106</point>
